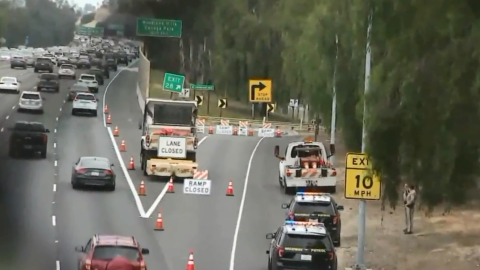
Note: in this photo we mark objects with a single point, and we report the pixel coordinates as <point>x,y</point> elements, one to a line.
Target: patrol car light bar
<point>312,194</point>
<point>306,224</point>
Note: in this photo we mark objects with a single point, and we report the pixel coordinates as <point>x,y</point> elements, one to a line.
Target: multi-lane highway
<point>44,218</point>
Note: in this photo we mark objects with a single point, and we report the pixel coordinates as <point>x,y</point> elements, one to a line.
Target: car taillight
<point>331,255</point>
<point>288,173</point>
<point>81,170</point>
<point>88,264</point>
<point>280,250</point>
<point>291,216</point>
<point>143,266</point>
<point>108,172</point>
<point>44,138</point>
<point>335,219</point>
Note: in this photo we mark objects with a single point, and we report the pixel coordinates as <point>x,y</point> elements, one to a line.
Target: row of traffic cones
<point>142,190</point>
<point>116,133</point>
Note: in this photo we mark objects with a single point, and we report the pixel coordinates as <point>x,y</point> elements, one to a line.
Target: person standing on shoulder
<point>405,194</point>
<point>410,208</point>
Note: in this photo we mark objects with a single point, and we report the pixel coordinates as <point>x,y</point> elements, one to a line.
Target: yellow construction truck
<point>169,139</point>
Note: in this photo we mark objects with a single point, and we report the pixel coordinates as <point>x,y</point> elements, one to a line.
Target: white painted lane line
<point>13,108</point>
<point>242,204</point>
<point>55,131</point>
<point>54,145</point>
<point>8,116</point>
<point>1,130</point>
<point>57,263</point>
<point>54,187</point>
<point>106,90</point>
<point>56,163</point>
<point>54,221</point>
<point>56,119</point>
<point>164,191</point>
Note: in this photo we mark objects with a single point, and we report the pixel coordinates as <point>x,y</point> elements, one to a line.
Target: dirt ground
<point>440,242</point>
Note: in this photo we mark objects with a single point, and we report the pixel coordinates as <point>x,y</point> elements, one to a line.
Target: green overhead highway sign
<point>173,82</point>
<point>149,27</point>
<point>200,87</point>
<point>90,31</point>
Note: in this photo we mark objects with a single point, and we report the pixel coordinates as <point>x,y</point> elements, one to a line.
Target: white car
<point>66,70</point>
<point>85,103</point>
<point>91,82</point>
<point>10,84</point>
<point>5,56</point>
<point>30,101</point>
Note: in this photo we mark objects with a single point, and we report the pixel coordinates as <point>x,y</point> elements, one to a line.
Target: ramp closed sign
<point>197,187</point>
<point>172,147</point>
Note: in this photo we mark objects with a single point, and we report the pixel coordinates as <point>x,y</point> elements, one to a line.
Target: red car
<point>101,250</point>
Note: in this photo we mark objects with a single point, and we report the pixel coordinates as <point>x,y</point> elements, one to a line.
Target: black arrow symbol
<point>270,108</point>
<point>260,86</point>
<point>222,103</point>
<point>199,99</point>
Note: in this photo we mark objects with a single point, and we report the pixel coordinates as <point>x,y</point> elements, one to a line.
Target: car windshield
<point>314,208</point>
<point>26,126</point>
<point>96,163</point>
<point>17,58</point>
<point>83,57</point>
<point>31,96</point>
<point>87,78</point>
<point>48,55</point>
<point>9,80</point>
<point>85,97</point>
<point>48,77</point>
<point>66,67</point>
<point>43,60</point>
<point>110,252</point>
<point>307,241</point>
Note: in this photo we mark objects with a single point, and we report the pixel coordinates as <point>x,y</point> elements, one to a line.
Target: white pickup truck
<point>305,166</point>
<point>85,103</point>
<point>91,82</point>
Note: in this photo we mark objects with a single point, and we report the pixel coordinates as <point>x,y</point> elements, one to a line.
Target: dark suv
<point>28,137</point>
<point>122,58</point>
<point>44,64</point>
<point>98,75</point>
<point>48,81</point>
<point>18,61</point>
<point>111,61</point>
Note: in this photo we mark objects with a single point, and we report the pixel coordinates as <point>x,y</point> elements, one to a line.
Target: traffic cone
<point>105,110</point>
<point>142,190</point>
<point>190,263</point>
<point>131,164</point>
<point>210,130</point>
<point>123,147</point>
<point>109,119</point>
<point>250,131</point>
<point>230,189</point>
<point>159,223</point>
<point>116,132</point>
<point>170,187</point>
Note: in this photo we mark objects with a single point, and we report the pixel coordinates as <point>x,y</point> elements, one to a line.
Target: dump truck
<point>169,139</point>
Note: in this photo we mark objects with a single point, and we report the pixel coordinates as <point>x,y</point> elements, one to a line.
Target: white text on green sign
<point>200,87</point>
<point>173,82</point>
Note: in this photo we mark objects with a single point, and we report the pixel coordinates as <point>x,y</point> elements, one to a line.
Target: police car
<point>301,245</point>
<point>317,207</point>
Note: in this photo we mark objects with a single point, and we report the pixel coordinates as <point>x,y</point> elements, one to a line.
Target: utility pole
<point>362,209</point>
<point>333,125</point>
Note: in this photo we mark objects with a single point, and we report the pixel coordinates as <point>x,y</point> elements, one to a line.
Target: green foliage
<point>423,104</point>
<point>87,18</point>
<point>46,23</point>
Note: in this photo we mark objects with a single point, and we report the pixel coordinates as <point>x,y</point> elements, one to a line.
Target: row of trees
<point>424,98</point>
<point>44,22</point>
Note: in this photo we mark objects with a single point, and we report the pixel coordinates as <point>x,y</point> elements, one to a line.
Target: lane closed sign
<point>197,187</point>
<point>172,147</point>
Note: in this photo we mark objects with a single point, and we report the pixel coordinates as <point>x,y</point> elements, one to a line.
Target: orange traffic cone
<point>159,223</point>
<point>123,147</point>
<point>210,130</point>
<point>116,132</point>
<point>250,131</point>
<point>105,110</point>
<point>109,119</point>
<point>131,164</point>
<point>170,187</point>
<point>230,189</point>
<point>142,190</point>
<point>190,263</point>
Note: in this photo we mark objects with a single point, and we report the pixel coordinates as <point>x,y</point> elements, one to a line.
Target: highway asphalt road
<point>207,224</point>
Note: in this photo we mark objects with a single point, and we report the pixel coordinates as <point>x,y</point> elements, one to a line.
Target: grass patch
<point>235,109</point>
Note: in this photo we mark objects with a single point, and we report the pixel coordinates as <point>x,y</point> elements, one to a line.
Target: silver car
<point>30,102</point>
<point>93,171</point>
<point>30,60</point>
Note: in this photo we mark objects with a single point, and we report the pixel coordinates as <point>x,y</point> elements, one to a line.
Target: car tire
<point>50,71</point>
<point>73,112</point>
<point>57,89</point>
<point>74,183</point>
<point>43,154</point>
<point>41,111</point>
<point>35,70</point>
<point>12,153</point>
<point>111,187</point>
<point>94,114</point>
<point>12,67</point>
<point>25,67</point>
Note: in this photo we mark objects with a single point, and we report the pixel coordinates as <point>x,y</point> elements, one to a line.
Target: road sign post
<point>204,87</point>
<point>149,27</point>
<point>173,82</point>
<point>270,108</point>
<point>222,104</point>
